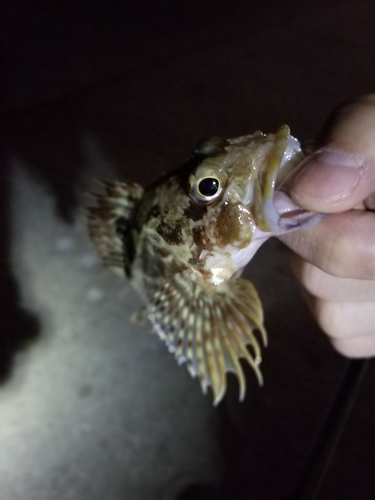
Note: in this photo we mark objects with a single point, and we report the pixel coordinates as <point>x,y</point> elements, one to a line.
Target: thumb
<point>340,175</point>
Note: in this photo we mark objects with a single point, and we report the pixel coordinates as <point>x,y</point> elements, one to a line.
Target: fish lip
<point>291,215</point>
<point>282,214</point>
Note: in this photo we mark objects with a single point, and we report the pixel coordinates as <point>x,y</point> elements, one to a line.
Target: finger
<point>355,347</point>
<point>341,173</point>
<point>325,286</point>
<point>344,319</point>
<point>341,244</point>
<point>351,127</point>
<point>370,202</point>
<point>346,324</point>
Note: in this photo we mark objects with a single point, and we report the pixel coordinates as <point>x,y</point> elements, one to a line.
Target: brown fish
<point>185,240</point>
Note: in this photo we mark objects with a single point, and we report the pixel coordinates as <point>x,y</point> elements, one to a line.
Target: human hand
<point>335,261</point>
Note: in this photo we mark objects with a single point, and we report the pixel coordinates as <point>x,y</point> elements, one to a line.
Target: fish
<point>184,241</point>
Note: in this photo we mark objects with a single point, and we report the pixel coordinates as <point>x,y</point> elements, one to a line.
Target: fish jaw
<point>274,211</point>
<point>264,165</point>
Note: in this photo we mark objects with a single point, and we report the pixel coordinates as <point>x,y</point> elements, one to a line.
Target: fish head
<point>243,186</point>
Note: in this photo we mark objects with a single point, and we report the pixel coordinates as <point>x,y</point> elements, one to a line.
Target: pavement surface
<point>93,407</point>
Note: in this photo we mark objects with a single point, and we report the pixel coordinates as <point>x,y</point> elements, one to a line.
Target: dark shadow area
<point>201,492</point>
<point>19,328</point>
<point>48,144</point>
<point>266,438</point>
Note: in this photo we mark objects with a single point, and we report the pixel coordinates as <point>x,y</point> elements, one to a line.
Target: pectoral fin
<point>209,327</point>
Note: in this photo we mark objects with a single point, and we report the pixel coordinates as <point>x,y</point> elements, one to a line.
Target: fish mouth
<point>290,215</point>
<point>275,210</point>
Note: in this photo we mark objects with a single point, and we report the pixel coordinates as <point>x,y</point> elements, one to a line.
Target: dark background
<point>148,80</point>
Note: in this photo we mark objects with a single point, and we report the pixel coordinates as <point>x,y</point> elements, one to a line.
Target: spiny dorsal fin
<point>209,327</point>
<point>108,222</point>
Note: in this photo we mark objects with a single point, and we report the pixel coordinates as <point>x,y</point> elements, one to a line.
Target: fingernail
<point>327,176</point>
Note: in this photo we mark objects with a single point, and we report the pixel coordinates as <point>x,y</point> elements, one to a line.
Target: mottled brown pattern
<point>154,212</point>
<point>200,238</point>
<point>163,252</point>
<point>195,211</point>
<point>171,234</point>
<point>228,226</point>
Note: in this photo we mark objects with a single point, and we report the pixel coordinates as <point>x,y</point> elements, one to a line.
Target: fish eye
<point>208,186</point>
<point>207,189</point>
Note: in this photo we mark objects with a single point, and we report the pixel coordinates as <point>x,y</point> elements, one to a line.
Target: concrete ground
<point>92,406</point>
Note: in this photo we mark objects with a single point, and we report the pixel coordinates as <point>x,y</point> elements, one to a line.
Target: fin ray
<point>209,327</point>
